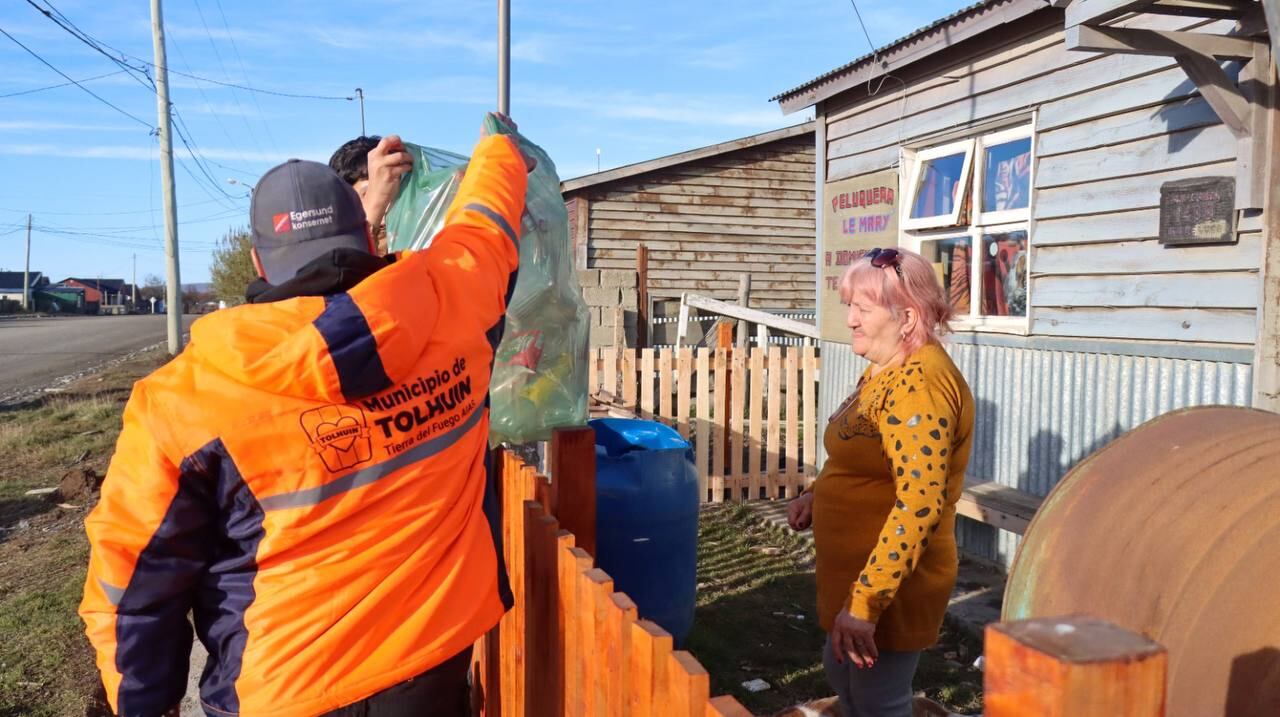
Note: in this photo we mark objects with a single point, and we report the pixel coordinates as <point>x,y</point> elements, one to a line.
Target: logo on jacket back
<point>339,435</point>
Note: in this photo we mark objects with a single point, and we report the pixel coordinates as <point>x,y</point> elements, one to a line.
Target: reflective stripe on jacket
<point>309,480</point>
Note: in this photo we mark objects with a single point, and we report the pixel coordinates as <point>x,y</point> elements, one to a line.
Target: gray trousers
<point>880,691</point>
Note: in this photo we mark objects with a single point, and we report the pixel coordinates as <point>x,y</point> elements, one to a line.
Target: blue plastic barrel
<point>647,518</point>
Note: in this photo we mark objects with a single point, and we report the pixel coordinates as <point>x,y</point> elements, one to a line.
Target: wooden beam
<point>581,233</point>
<point>1266,361</point>
<point>1215,9</point>
<point>755,316</point>
<point>744,300</point>
<point>1077,666</point>
<point>1252,151</point>
<point>642,297</point>
<point>1158,42</point>
<point>1219,91</point>
<point>1094,12</point>
<point>1271,9</point>
<point>998,505</point>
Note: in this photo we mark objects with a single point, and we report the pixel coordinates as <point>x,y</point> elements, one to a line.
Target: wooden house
<point>706,217</point>
<point>1091,180</point>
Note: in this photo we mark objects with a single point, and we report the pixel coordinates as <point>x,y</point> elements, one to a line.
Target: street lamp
<point>233,180</point>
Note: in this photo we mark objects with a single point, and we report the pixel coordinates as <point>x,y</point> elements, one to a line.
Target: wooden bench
<point>999,505</point>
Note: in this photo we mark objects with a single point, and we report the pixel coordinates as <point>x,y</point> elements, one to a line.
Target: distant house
<point>99,292</point>
<point>11,284</point>
<point>59,300</point>
<point>707,217</point>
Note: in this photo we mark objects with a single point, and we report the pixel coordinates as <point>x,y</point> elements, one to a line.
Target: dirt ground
<point>756,620</point>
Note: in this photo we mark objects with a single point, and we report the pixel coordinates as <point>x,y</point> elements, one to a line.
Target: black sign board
<point>1198,211</point>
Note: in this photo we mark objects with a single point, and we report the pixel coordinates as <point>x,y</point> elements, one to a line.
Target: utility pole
<point>134,299</point>
<point>360,94</point>
<point>173,293</point>
<point>26,272</point>
<point>504,57</point>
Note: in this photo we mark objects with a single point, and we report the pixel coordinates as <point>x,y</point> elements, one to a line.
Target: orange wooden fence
<point>750,415</point>
<point>572,645</point>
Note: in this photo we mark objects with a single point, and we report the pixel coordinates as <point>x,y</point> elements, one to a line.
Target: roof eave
<point>911,49</point>
<point>650,165</point>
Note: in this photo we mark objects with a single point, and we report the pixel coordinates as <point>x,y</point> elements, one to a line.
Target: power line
<point>227,214</point>
<point>243,73</point>
<point>221,66</point>
<point>184,134</point>
<point>74,30</point>
<point>100,214</point>
<point>98,45</point>
<point>864,26</point>
<point>60,84</point>
<point>217,116</point>
<point>91,93</point>
<point>142,243</point>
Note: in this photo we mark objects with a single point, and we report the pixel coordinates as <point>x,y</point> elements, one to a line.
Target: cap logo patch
<point>283,223</point>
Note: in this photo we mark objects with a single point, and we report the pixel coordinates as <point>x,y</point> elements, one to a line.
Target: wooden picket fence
<point>572,645</point>
<point>751,414</point>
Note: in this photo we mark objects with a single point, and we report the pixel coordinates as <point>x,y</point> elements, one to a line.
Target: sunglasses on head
<point>880,258</point>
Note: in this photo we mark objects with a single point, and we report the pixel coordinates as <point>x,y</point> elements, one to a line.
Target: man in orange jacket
<point>309,479</point>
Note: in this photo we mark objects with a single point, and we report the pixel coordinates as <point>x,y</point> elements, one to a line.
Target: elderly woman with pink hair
<point>883,507</point>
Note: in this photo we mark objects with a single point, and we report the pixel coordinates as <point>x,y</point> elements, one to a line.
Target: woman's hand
<point>855,638</point>
<point>800,512</point>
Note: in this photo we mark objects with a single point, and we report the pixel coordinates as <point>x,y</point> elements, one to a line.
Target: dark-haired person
<point>373,166</point>
<point>333,534</point>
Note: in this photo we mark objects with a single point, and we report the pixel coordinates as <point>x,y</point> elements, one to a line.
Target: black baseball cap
<point>300,210</point>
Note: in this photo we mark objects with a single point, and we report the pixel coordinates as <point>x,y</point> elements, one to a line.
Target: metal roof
<point>650,165</point>
<point>913,46</point>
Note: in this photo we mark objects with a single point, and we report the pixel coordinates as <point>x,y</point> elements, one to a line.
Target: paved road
<point>35,352</point>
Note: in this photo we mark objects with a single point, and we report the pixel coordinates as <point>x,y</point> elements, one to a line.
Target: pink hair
<point>918,289</point>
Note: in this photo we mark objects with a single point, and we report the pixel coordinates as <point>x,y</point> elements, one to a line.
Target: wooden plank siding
<point>706,222</point>
<point>1110,129</point>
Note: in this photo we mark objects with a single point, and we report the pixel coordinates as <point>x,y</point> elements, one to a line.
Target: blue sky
<point>637,80</point>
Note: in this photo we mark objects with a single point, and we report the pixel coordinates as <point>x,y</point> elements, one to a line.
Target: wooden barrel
<point>1173,531</point>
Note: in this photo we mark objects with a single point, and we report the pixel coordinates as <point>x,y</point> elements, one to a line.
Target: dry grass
<point>46,665</point>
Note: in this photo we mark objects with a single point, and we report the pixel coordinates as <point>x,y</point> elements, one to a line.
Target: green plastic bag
<point>540,370</point>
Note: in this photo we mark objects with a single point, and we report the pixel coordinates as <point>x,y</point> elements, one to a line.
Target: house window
<point>938,185</point>
<point>969,212</point>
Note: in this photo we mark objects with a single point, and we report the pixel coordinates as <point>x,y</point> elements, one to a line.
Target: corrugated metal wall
<point>1041,410</point>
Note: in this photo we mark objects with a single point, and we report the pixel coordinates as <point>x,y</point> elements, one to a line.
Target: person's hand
<point>800,512</point>
<point>854,638</point>
<point>387,162</point>
<point>530,162</point>
<point>504,119</point>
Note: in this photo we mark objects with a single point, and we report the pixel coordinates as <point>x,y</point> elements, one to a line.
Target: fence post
<point>573,476</point>
<point>642,296</point>
<point>1078,666</point>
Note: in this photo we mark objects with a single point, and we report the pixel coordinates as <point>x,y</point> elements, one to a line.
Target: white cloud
<point>44,125</point>
<point>725,56</point>
<point>148,153</point>
<point>224,109</point>
<point>661,107</point>
<point>198,32</point>
<point>465,90</point>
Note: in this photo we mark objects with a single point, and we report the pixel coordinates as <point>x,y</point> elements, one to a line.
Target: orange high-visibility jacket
<point>309,479</point>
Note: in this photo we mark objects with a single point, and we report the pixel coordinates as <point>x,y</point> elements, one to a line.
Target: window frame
<point>984,142</point>
<point>919,159</point>
<point>913,234</point>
